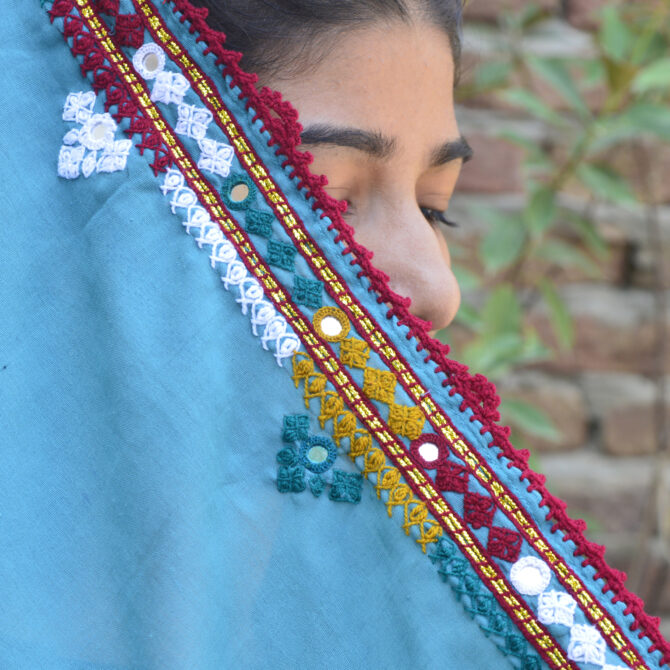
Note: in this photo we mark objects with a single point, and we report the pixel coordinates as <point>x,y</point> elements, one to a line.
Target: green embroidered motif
<point>317,486</point>
<point>346,487</point>
<point>296,427</point>
<point>291,479</point>
<point>478,602</point>
<point>307,461</point>
<point>307,292</point>
<point>282,255</point>
<point>238,191</point>
<point>259,223</point>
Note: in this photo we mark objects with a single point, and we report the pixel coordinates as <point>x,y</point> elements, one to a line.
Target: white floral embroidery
<point>556,607</point>
<point>149,60</point>
<point>69,160</point>
<point>114,156</point>
<point>79,106</point>
<point>98,132</point>
<point>88,164</point>
<point>193,121</point>
<point>71,137</point>
<point>170,87</point>
<point>530,576</point>
<point>216,157</point>
<point>92,147</point>
<point>586,645</point>
<point>266,322</point>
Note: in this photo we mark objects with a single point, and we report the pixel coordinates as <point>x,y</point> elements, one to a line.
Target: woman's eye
<point>433,216</point>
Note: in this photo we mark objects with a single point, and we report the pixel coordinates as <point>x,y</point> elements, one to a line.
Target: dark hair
<point>279,37</point>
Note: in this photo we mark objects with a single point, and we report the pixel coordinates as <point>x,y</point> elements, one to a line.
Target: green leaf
<point>541,209</point>
<point>561,320</point>
<point>605,183</point>
<point>529,418</point>
<point>532,104</point>
<point>494,357</point>
<point>493,74</point>
<point>653,77</point>
<point>468,316</point>
<point>588,233</point>
<point>640,119</point>
<point>563,255</point>
<point>555,72</point>
<point>614,36</point>
<point>501,313</point>
<point>467,280</point>
<point>504,242</point>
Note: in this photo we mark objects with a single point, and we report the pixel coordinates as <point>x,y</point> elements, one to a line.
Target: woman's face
<point>378,115</point>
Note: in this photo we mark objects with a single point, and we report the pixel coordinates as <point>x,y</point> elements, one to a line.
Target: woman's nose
<point>415,256</point>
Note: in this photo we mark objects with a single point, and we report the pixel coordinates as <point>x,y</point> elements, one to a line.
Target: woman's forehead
<point>395,80</point>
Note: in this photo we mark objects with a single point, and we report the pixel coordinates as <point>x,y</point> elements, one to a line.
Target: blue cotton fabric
<point>140,522</point>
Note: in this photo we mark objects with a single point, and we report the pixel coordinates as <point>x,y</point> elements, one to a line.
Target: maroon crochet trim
<point>280,119</point>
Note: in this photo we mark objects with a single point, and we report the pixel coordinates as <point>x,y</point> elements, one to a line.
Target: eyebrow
<point>377,145</point>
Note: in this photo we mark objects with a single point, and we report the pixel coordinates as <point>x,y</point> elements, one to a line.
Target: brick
<point>498,170</point>
<point>631,430</point>
<point>490,10</point>
<point>561,400</point>
<point>609,493</point>
<point>624,406</point>
<point>583,14</point>
<point>614,330</point>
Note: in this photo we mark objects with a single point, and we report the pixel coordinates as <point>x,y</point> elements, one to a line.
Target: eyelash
<point>434,217</point>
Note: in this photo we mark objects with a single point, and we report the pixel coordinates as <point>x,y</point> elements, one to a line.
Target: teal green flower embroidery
<point>307,461</point>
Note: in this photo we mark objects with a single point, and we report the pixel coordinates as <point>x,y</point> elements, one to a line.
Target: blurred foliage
<point>618,96</point>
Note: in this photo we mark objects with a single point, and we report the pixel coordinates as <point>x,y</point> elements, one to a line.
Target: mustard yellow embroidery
<point>406,421</point>
<point>354,353</point>
<point>331,323</point>
<point>379,385</point>
<point>388,478</point>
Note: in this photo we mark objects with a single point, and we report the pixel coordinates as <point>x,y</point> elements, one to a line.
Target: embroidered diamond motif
<point>69,161</point>
<point>129,31</point>
<point>556,607</point>
<point>379,385</point>
<point>452,477</point>
<point>291,479</point>
<point>114,157</point>
<point>193,122</point>
<point>354,353</point>
<point>110,7</point>
<point>296,427</point>
<point>169,87</point>
<point>479,509</point>
<point>216,157</point>
<point>346,487</point>
<point>282,255</point>
<point>307,292</point>
<point>79,106</point>
<point>406,421</point>
<point>586,645</point>
<point>259,223</point>
<point>504,544</point>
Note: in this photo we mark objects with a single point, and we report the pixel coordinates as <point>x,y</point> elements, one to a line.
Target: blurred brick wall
<point>601,395</point>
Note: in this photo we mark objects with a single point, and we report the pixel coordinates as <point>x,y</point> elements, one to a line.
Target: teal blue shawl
<point>225,442</point>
